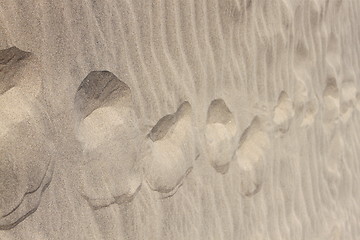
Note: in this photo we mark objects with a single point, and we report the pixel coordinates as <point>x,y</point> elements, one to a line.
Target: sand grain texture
<point>194,119</point>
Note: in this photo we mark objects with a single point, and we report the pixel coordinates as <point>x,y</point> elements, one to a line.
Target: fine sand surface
<point>165,119</point>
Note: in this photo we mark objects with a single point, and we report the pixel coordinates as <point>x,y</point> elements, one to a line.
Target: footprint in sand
<point>334,162</point>
<point>254,143</point>
<point>357,101</point>
<point>348,100</point>
<point>220,133</point>
<point>304,107</point>
<point>26,146</point>
<point>331,104</point>
<point>108,130</point>
<point>283,112</point>
<point>336,232</point>
<point>170,151</point>
<point>301,94</point>
<point>311,109</point>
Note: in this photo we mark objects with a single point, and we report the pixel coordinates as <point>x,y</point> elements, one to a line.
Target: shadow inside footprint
<point>170,151</point>
<point>26,146</point>
<point>220,133</point>
<point>109,132</point>
<point>11,60</point>
<point>250,155</point>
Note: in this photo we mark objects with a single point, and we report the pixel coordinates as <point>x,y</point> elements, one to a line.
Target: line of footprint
<point>118,157</point>
<point>339,105</point>
<point>26,144</point>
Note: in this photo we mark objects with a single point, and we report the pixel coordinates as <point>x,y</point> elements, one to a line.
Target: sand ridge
<point>154,126</point>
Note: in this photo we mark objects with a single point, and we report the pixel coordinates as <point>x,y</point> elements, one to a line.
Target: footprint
<point>348,100</point>
<point>336,233</point>
<point>254,143</point>
<point>301,55</point>
<point>333,232</point>
<point>301,94</point>
<point>334,162</point>
<point>26,146</point>
<point>170,151</point>
<point>331,103</point>
<point>333,45</point>
<point>220,134</point>
<point>108,130</point>
<point>357,101</point>
<point>310,110</point>
<point>283,112</point>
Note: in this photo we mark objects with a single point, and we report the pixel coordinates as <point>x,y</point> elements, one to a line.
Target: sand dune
<point>219,119</point>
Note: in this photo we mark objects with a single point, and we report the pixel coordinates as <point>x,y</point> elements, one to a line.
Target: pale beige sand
<point>217,119</point>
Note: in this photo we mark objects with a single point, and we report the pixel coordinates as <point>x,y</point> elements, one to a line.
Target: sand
<point>218,119</point>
